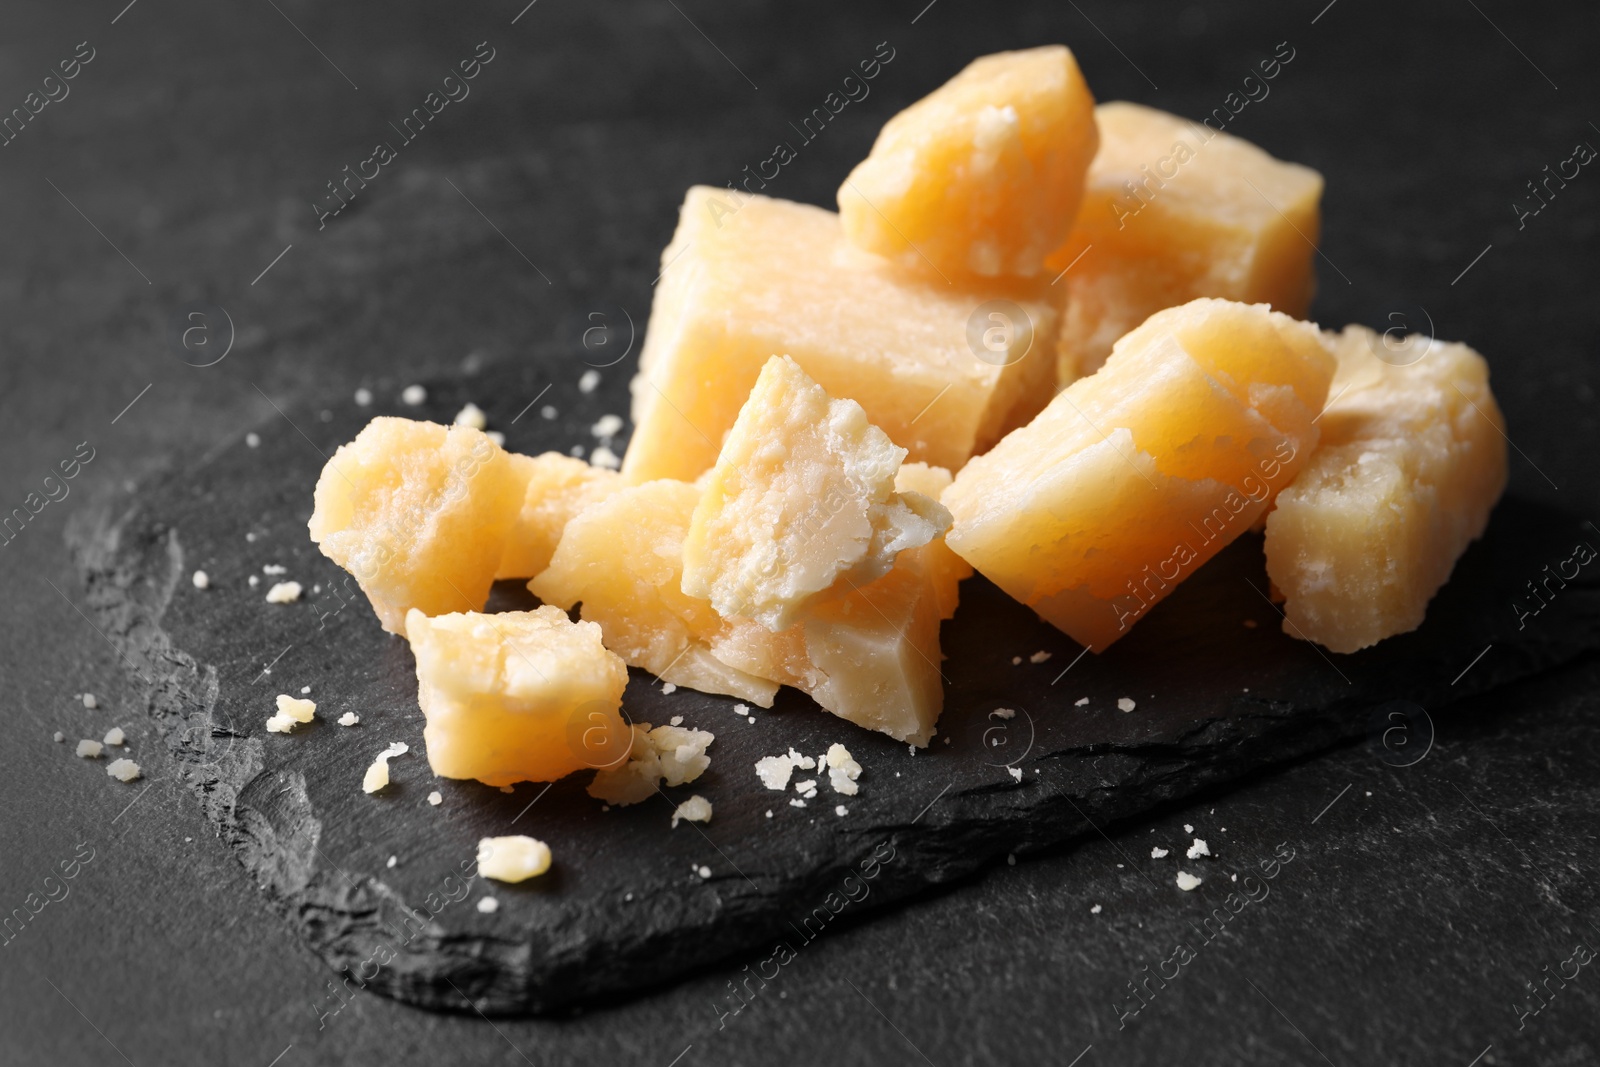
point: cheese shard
(800, 505)
(419, 514)
(622, 559)
(517, 696)
(1175, 210)
(670, 755)
(984, 175)
(1132, 478)
(514, 858)
(1412, 460)
(747, 277)
(556, 487)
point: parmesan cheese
(512, 859)
(696, 809)
(123, 770)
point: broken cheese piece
(514, 858)
(671, 755)
(1412, 460)
(984, 175)
(377, 776)
(801, 503)
(517, 696)
(556, 488)
(1135, 476)
(419, 514)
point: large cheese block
(1176, 210)
(747, 277)
(1132, 478)
(419, 514)
(1412, 460)
(983, 176)
(517, 696)
(555, 488)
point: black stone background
(1409, 919)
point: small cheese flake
(436, 798)
(1040, 656)
(805, 786)
(604, 457)
(363, 397)
(1188, 829)
(805, 763)
(1016, 661)
(1198, 849)
(1095, 910)
(1016, 772)
(1004, 713)
(250, 537)
(115, 736)
(274, 568)
(488, 905)
(741, 709)
(667, 689)
(671, 754)
(291, 711)
(589, 382)
(1080, 702)
(90, 702)
(413, 395)
(59, 736)
(696, 809)
(1187, 881)
(252, 440)
(514, 858)
(796, 802)
(304, 689)
(89, 749)
(472, 415)
(392, 861)
(254, 581)
(123, 770)
(349, 718)
(676, 720)
(704, 873)
(1125, 704)
(607, 427)
(283, 593)
(548, 412)
(841, 811)
(201, 580)
(1158, 853)
(769, 813)
(377, 776)
(774, 771)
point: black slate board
(625, 907)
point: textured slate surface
(1219, 691)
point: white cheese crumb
(696, 809)
(1198, 849)
(488, 905)
(704, 872)
(254, 581)
(1016, 772)
(115, 736)
(59, 736)
(1158, 853)
(413, 395)
(90, 702)
(436, 798)
(377, 775)
(1125, 704)
(1004, 713)
(796, 802)
(304, 689)
(123, 770)
(843, 770)
(252, 440)
(604, 457)
(290, 712)
(608, 427)
(349, 718)
(1187, 881)
(667, 689)
(1080, 702)
(676, 720)
(201, 580)
(548, 412)
(1016, 661)
(769, 813)
(392, 861)
(741, 709)
(1095, 910)
(805, 763)
(1040, 656)
(363, 396)
(1188, 829)
(284, 593)
(250, 536)
(841, 811)
(774, 771)
(512, 859)
(472, 415)
(589, 382)
(805, 786)
(89, 749)
(274, 568)
(496, 436)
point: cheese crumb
(1198, 849)
(89, 749)
(1095, 910)
(59, 736)
(1016, 772)
(843, 770)
(548, 412)
(413, 395)
(254, 581)
(123, 770)
(608, 427)
(809, 785)
(363, 396)
(805, 763)
(472, 415)
(90, 702)
(1158, 853)
(377, 775)
(673, 754)
(774, 771)
(274, 568)
(589, 382)
(304, 689)
(290, 712)
(1187, 881)
(201, 580)
(667, 689)
(252, 440)
(1080, 702)
(512, 859)
(1188, 829)
(796, 802)
(1125, 704)
(284, 593)
(604, 457)
(841, 811)
(349, 718)
(488, 905)
(436, 798)
(1004, 713)
(1040, 656)
(704, 872)
(392, 861)
(741, 709)
(115, 736)
(696, 809)
(1016, 660)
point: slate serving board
(1218, 690)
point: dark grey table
(183, 164)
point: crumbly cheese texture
(1174, 210)
(517, 696)
(746, 277)
(663, 755)
(123, 770)
(622, 559)
(512, 859)
(696, 809)
(1135, 476)
(419, 514)
(377, 775)
(556, 488)
(801, 504)
(1412, 460)
(984, 175)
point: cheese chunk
(670, 755)
(517, 696)
(419, 514)
(1176, 210)
(801, 503)
(747, 277)
(556, 487)
(1134, 477)
(1412, 460)
(622, 559)
(512, 859)
(984, 175)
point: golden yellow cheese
(943, 369)
(984, 175)
(557, 487)
(1412, 460)
(1135, 476)
(419, 514)
(800, 505)
(1175, 210)
(517, 696)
